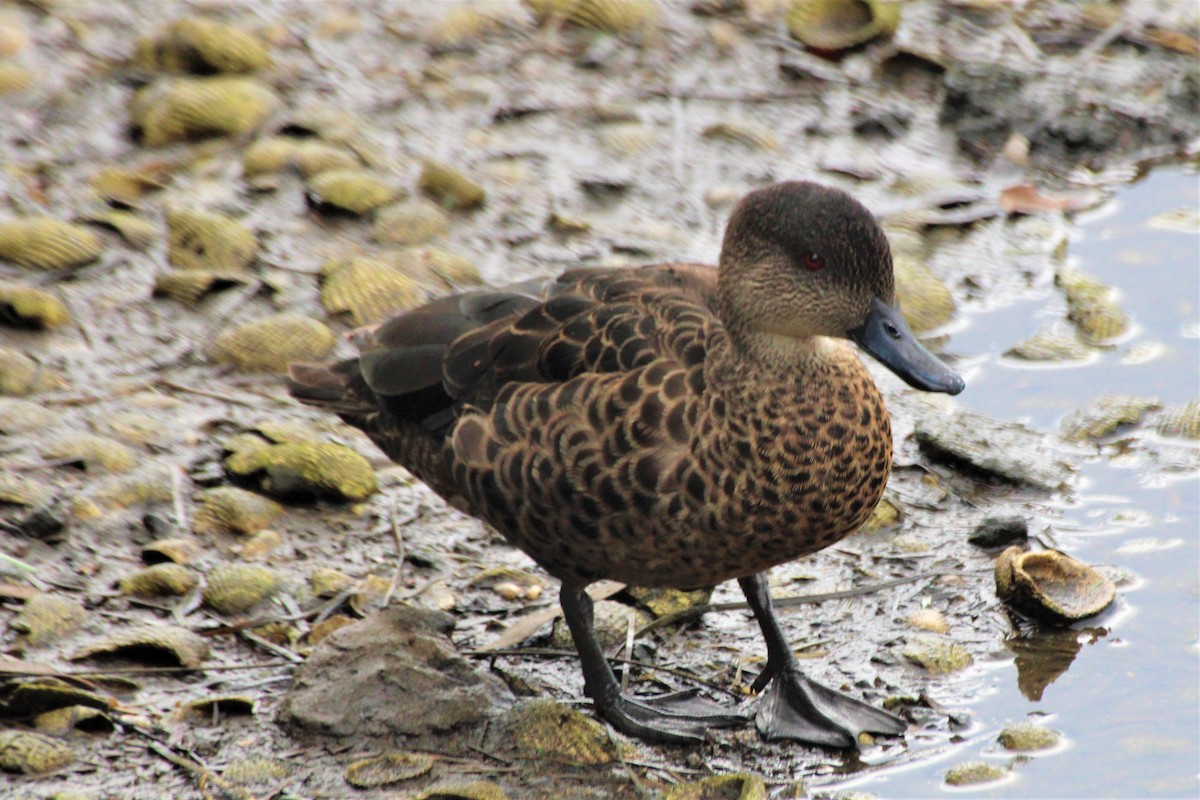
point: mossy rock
(306, 469)
(236, 588)
(269, 344)
(549, 731)
(937, 654)
(228, 509)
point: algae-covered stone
(203, 46)
(368, 289)
(1051, 586)
(327, 582)
(154, 644)
(450, 187)
(1008, 450)
(30, 307)
(1027, 737)
(46, 618)
(885, 515)
(1106, 415)
(665, 602)
(236, 588)
(228, 509)
(1050, 345)
(306, 469)
(414, 221)
(924, 298)
(205, 240)
(47, 244)
(388, 768)
(256, 771)
(183, 109)
(463, 790)
(550, 731)
(269, 344)
(33, 753)
(147, 486)
(1182, 421)
(1092, 306)
(159, 580)
(937, 654)
(356, 191)
(720, 787)
(972, 773)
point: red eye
(813, 261)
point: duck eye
(813, 261)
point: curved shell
(33, 753)
(190, 286)
(924, 298)
(201, 45)
(46, 618)
(387, 768)
(234, 588)
(184, 109)
(450, 187)
(609, 16)
(368, 289)
(271, 343)
(159, 580)
(310, 156)
(206, 240)
(228, 509)
(92, 450)
(833, 25)
(176, 550)
(1182, 421)
(150, 644)
(21, 375)
(14, 78)
(1092, 307)
(1051, 586)
(30, 307)
(47, 243)
(357, 191)
(137, 232)
(550, 731)
(412, 222)
(306, 469)
(125, 185)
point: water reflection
(1042, 655)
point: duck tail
(336, 386)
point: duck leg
(795, 707)
(677, 718)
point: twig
(177, 497)
(93, 673)
(228, 398)
(401, 551)
(282, 652)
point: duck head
(802, 261)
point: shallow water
(1129, 703)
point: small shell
(256, 771)
(228, 509)
(125, 185)
(310, 156)
(387, 768)
(185, 109)
(413, 222)
(1182, 421)
(608, 16)
(21, 375)
(154, 484)
(95, 452)
(454, 271)
(160, 580)
(368, 289)
(549, 731)
(48, 244)
(272, 154)
(356, 191)
(37, 696)
(1105, 416)
(63, 721)
(742, 132)
(210, 708)
(327, 582)
(306, 469)
(176, 550)
(924, 298)
(313, 157)
(1092, 307)
(463, 790)
(32, 753)
(19, 416)
(235, 588)
(46, 618)
(203, 46)
(1051, 586)
(740, 787)
(190, 286)
(834, 25)
(151, 644)
(271, 343)
(204, 240)
(450, 187)
(262, 543)
(136, 231)
(30, 307)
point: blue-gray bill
(887, 337)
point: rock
(970, 773)
(1005, 449)
(999, 531)
(393, 673)
(550, 731)
(1027, 737)
(937, 654)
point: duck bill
(887, 337)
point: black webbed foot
(795, 707)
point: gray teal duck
(670, 425)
